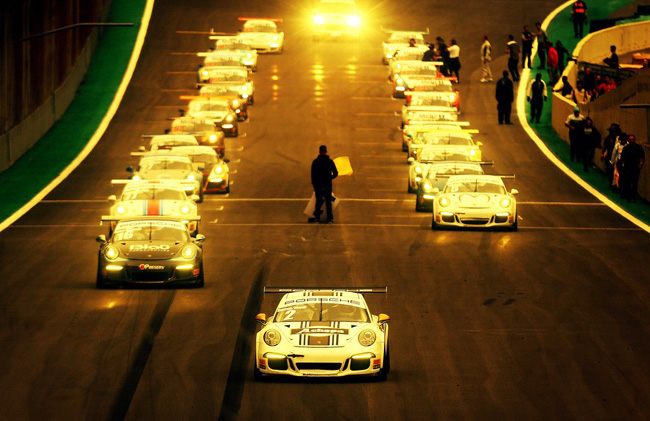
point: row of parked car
(446, 165)
(153, 235)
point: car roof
(166, 157)
(479, 177)
(146, 185)
(194, 150)
(325, 294)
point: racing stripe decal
(153, 208)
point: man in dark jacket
(430, 54)
(323, 171)
(632, 158)
(505, 96)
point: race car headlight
(204, 73)
(212, 138)
(400, 81)
(218, 169)
(275, 37)
(444, 202)
(185, 209)
(229, 118)
(505, 202)
(418, 170)
(472, 152)
(235, 103)
(354, 20)
(319, 20)
(244, 88)
(249, 55)
(111, 253)
(188, 252)
(272, 337)
(427, 186)
(121, 210)
(452, 97)
(367, 337)
(191, 177)
(136, 178)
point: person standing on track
(512, 49)
(486, 58)
(430, 54)
(579, 16)
(505, 96)
(323, 171)
(576, 124)
(526, 47)
(614, 131)
(632, 158)
(542, 37)
(536, 96)
(454, 60)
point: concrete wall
(606, 108)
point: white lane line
(523, 120)
(562, 203)
(305, 224)
(133, 61)
(291, 199)
(581, 228)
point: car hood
(210, 115)
(149, 250)
(164, 174)
(321, 333)
(476, 200)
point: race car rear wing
(360, 290)
(425, 32)
(244, 19)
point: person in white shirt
(454, 60)
(486, 58)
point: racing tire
(418, 207)
(254, 69)
(226, 190)
(405, 148)
(383, 372)
(251, 100)
(411, 189)
(434, 224)
(257, 375)
(515, 226)
(201, 195)
(201, 280)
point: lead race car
(475, 201)
(262, 34)
(322, 333)
(154, 198)
(399, 41)
(149, 251)
(434, 177)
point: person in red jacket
(552, 63)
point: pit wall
(594, 48)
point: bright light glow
(505, 202)
(229, 118)
(111, 252)
(447, 213)
(184, 267)
(136, 178)
(418, 178)
(452, 97)
(354, 20)
(204, 73)
(418, 169)
(121, 209)
(235, 103)
(363, 356)
(400, 81)
(272, 337)
(218, 169)
(427, 186)
(249, 55)
(444, 202)
(502, 214)
(275, 37)
(191, 177)
(213, 137)
(273, 356)
(472, 152)
(113, 268)
(185, 209)
(367, 337)
(188, 252)
(429, 196)
(227, 126)
(319, 20)
(216, 180)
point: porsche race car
(205, 131)
(150, 251)
(437, 138)
(418, 129)
(427, 113)
(406, 69)
(235, 76)
(237, 46)
(475, 201)
(263, 34)
(216, 174)
(434, 178)
(399, 41)
(420, 84)
(322, 333)
(429, 155)
(229, 93)
(167, 166)
(439, 99)
(216, 110)
(221, 58)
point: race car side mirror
(101, 239)
(199, 238)
(195, 198)
(479, 143)
(142, 149)
(261, 318)
(384, 318)
(411, 160)
(227, 161)
(129, 169)
(514, 192)
(112, 198)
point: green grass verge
(561, 28)
(67, 138)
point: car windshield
(210, 106)
(442, 139)
(434, 101)
(338, 8)
(153, 193)
(228, 77)
(165, 164)
(454, 170)
(322, 311)
(220, 90)
(409, 54)
(150, 231)
(429, 155)
(203, 158)
(260, 27)
(168, 144)
(475, 186)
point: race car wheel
(251, 100)
(254, 69)
(201, 280)
(201, 195)
(257, 375)
(434, 225)
(405, 147)
(411, 189)
(383, 372)
(515, 226)
(227, 189)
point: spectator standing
(562, 54)
(542, 38)
(580, 95)
(576, 124)
(443, 52)
(430, 54)
(512, 48)
(323, 171)
(591, 142)
(566, 90)
(551, 63)
(612, 60)
(633, 158)
(454, 60)
(589, 80)
(504, 96)
(619, 146)
(486, 58)
(608, 147)
(536, 96)
(579, 16)
(526, 47)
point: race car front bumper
(149, 272)
(474, 218)
(216, 184)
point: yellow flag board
(343, 165)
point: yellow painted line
(117, 99)
(521, 114)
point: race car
(216, 174)
(420, 84)
(399, 40)
(263, 34)
(221, 58)
(168, 141)
(427, 113)
(149, 251)
(216, 110)
(236, 45)
(228, 92)
(155, 198)
(440, 99)
(235, 76)
(429, 155)
(205, 132)
(336, 18)
(436, 138)
(409, 68)
(416, 130)
(435, 175)
(322, 333)
(166, 166)
(475, 201)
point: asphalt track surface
(548, 322)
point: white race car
(225, 58)
(322, 333)
(155, 198)
(416, 130)
(205, 132)
(428, 113)
(399, 40)
(235, 76)
(440, 99)
(437, 138)
(216, 174)
(409, 68)
(218, 111)
(475, 201)
(434, 179)
(237, 45)
(166, 166)
(402, 87)
(263, 34)
(429, 155)
(168, 141)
